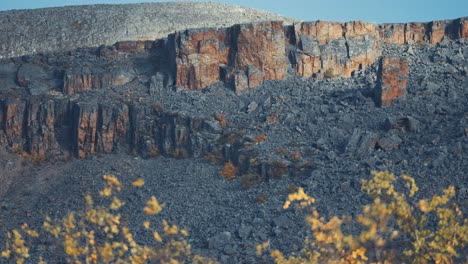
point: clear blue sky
(338, 10)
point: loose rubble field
(328, 134)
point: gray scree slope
(54, 29)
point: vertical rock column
(199, 53)
(340, 48)
(259, 54)
(244, 55)
(392, 80)
(12, 122)
(84, 127)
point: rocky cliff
(243, 56)
(102, 99)
(53, 29)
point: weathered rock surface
(342, 47)
(243, 55)
(419, 33)
(392, 80)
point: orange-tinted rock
(40, 134)
(307, 65)
(199, 54)
(12, 121)
(260, 51)
(134, 46)
(205, 56)
(343, 47)
(416, 33)
(463, 32)
(83, 79)
(112, 126)
(392, 33)
(363, 43)
(424, 33)
(392, 80)
(438, 31)
(84, 128)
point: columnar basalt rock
(392, 33)
(83, 79)
(343, 47)
(392, 80)
(259, 53)
(12, 122)
(79, 80)
(199, 53)
(463, 31)
(244, 55)
(424, 33)
(113, 125)
(85, 126)
(40, 132)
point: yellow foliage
(301, 196)
(390, 217)
(97, 234)
(153, 206)
(138, 183)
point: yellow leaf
(106, 192)
(152, 206)
(116, 204)
(157, 237)
(139, 183)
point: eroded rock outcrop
(342, 47)
(424, 33)
(392, 80)
(243, 55)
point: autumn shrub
(221, 119)
(281, 151)
(229, 171)
(394, 228)
(260, 138)
(99, 234)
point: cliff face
(430, 33)
(243, 56)
(48, 105)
